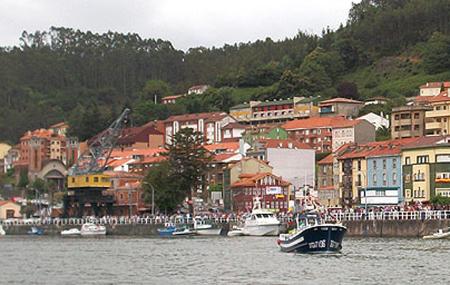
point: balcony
(433, 126)
(439, 113)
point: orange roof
(171, 97)
(150, 160)
(340, 100)
(431, 85)
(229, 146)
(118, 162)
(225, 156)
(315, 122)
(252, 180)
(40, 133)
(447, 84)
(4, 202)
(327, 159)
(284, 143)
(348, 123)
(191, 117)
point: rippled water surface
(219, 260)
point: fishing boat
(2, 231)
(183, 232)
(204, 229)
(36, 231)
(261, 222)
(441, 234)
(168, 229)
(91, 229)
(71, 232)
(235, 231)
(312, 236)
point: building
(272, 190)
(9, 210)
(408, 121)
(291, 160)
(264, 131)
(170, 99)
(275, 111)
(318, 132)
(344, 107)
(437, 117)
(197, 89)
(328, 190)
(146, 136)
(11, 157)
(352, 131)
(39, 147)
(378, 121)
(233, 131)
(209, 124)
(376, 101)
(135, 160)
(4, 149)
(426, 169)
(432, 88)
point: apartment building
(344, 107)
(408, 121)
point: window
(407, 160)
(87, 179)
(96, 179)
(422, 159)
(374, 164)
(384, 179)
(397, 117)
(359, 164)
(394, 163)
(384, 163)
(416, 115)
(374, 179)
(394, 178)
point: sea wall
(394, 228)
(373, 228)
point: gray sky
(186, 23)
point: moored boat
(36, 231)
(204, 229)
(168, 229)
(71, 232)
(183, 232)
(2, 231)
(261, 222)
(235, 231)
(441, 234)
(313, 236)
(90, 229)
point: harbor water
(218, 260)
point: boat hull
(261, 230)
(208, 232)
(315, 239)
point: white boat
(204, 229)
(2, 231)
(261, 222)
(235, 231)
(183, 232)
(441, 234)
(90, 229)
(71, 232)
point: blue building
(384, 177)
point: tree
(383, 134)
(23, 179)
(152, 88)
(436, 57)
(348, 90)
(188, 161)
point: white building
(353, 131)
(376, 120)
(197, 89)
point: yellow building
(4, 149)
(426, 169)
(9, 210)
(242, 112)
(437, 120)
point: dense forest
(386, 48)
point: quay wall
(365, 228)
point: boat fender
(278, 241)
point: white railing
(394, 215)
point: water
(218, 260)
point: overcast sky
(186, 23)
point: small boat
(168, 229)
(235, 231)
(312, 236)
(36, 231)
(71, 232)
(183, 232)
(204, 229)
(260, 222)
(441, 234)
(2, 231)
(90, 229)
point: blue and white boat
(313, 236)
(36, 231)
(168, 230)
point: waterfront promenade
(374, 224)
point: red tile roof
(252, 180)
(315, 122)
(221, 157)
(214, 116)
(442, 97)
(340, 100)
(171, 97)
(235, 126)
(431, 85)
(348, 123)
(229, 146)
(327, 159)
(146, 152)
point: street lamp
(153, 196)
